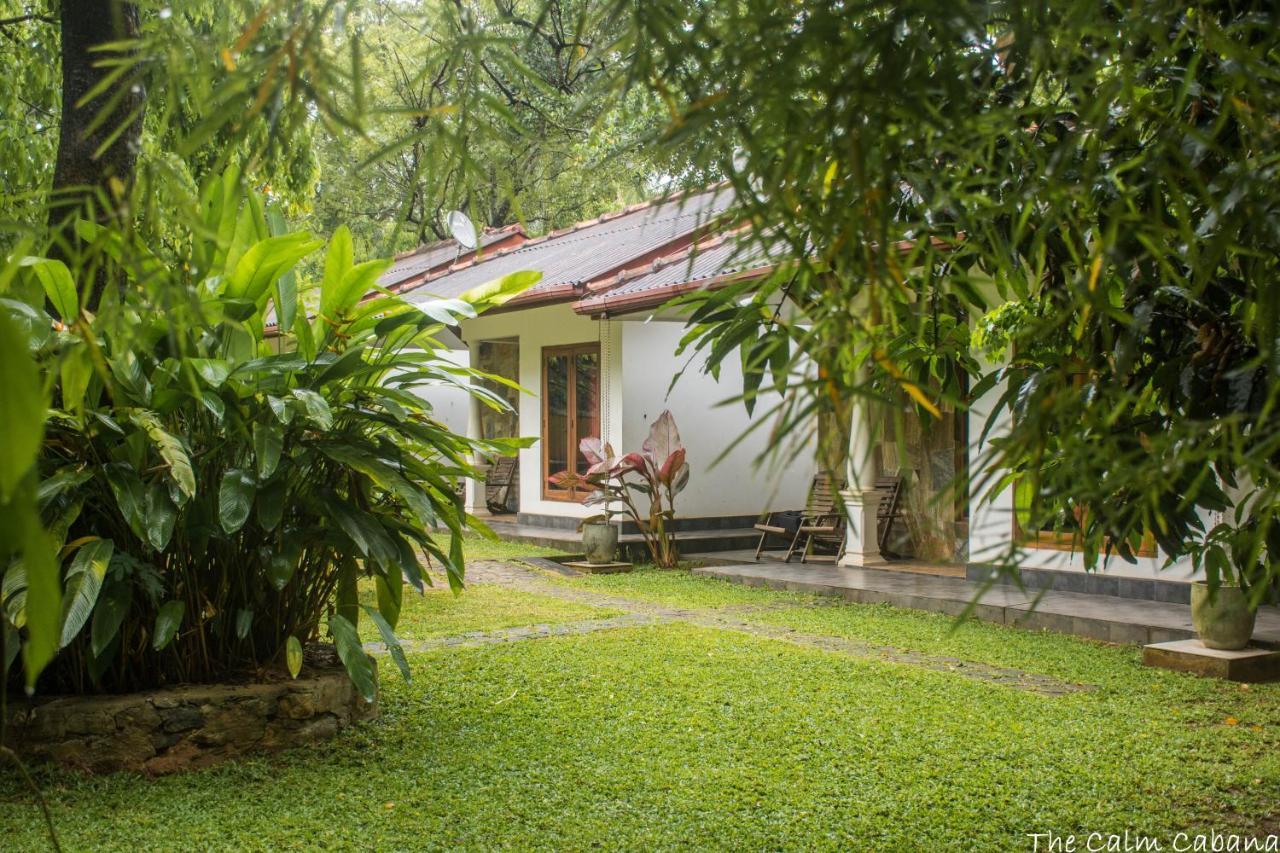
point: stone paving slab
(1099, 617)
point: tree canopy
(1101, 177)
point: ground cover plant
(442, 612)
(736, 740)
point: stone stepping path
(729, 618)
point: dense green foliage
(1110, 166)
(212, 490)
(499, 108)
(736, 741)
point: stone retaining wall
(165, 731)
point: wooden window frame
(549, 492)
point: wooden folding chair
(497, 484)
(890, 509)
(831, 529)
(787, 525)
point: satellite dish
(462, 229)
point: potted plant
(1224, 605)
(599, 538)
(659, 472)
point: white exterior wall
(735, 486)
(448, 404)
(638, 362)
(991, 530)
(535, 328)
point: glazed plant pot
(1225, 622)
(599, 542)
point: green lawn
(441, 613)
(676, 735)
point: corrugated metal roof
(586, 251)
(724, 255)
(438, 254)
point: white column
(861, 500)
(473, 498)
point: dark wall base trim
(723, 522)
(1148, 589)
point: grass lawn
(440, 613)
(676, 735)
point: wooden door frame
(571, 402)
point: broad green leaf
(351, 652)
(235, 499)
(113, 604)
(270, 503)
(33, 327)
(358, 281)
(158, 516)
(348, 594)
(59, 287)
(264, 262)
(500, 290)
(390, 596)
(170, 449)
(22, 408)
(75, 369)
(43, 605)
(12, 646)
(391, 641)
(168, 621)
(315, 407)
(214, 371)
(280, 408)
(244, 621)
(293, 656)
(286, 295)
(84, 581)
(337, 263)
(283, 564)
(268, 439)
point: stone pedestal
(599, 568)
(1251, 664)
(862, 533)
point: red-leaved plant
(659, 472)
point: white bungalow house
(595, 352)
(597, 359)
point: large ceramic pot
(599, 542)
(1226, 622)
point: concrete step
(1099, 617)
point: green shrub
(215, 487)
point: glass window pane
(557, 413)
(586, 401)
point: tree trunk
(81, 173)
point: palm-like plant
(221, 468)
